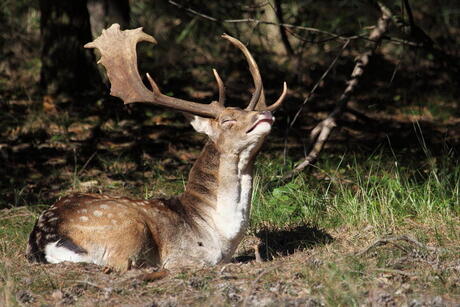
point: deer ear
(202, 125)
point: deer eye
(226, 122)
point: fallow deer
(203, 225)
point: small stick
(311, 94)
(257, 21)
(257, 253)
(409, 239)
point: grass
(353, 190)
(353, 200)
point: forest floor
(352, 267)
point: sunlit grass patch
(357, 191)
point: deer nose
(266, 113)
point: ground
(342, 267)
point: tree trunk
(67, 68)
(104, 13)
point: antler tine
(153, 85)
(118, 55)
(221, 86)
(258, 97)
(280, 100)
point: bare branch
(257, 21)
(422, 39)
(321, 132)
(312, 93)
(283, 30)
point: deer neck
(219, 189)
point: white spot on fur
(97, 213)
(110, 215)
(56, 254)
(53, 219)
(104, 207)
(84, 218)
(114, 222)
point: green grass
(352, 190)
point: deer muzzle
(264, 117)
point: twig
(393, 239)
(283, 30)
(284, 27)
(88, 283)
(311, 94)
(320, 134)
(415, 31)
(257, 21)
(86, 163)
(257, 253)
(422, 40)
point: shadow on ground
(272, 243)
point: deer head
(223, 125)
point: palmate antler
(118, 55)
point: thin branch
(283, 31)
(257, 21)
(392, 240)
(320, 134)
(315, 87)
(312, 92)
(285, 27)
(424, 41)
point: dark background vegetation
(59, 127)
